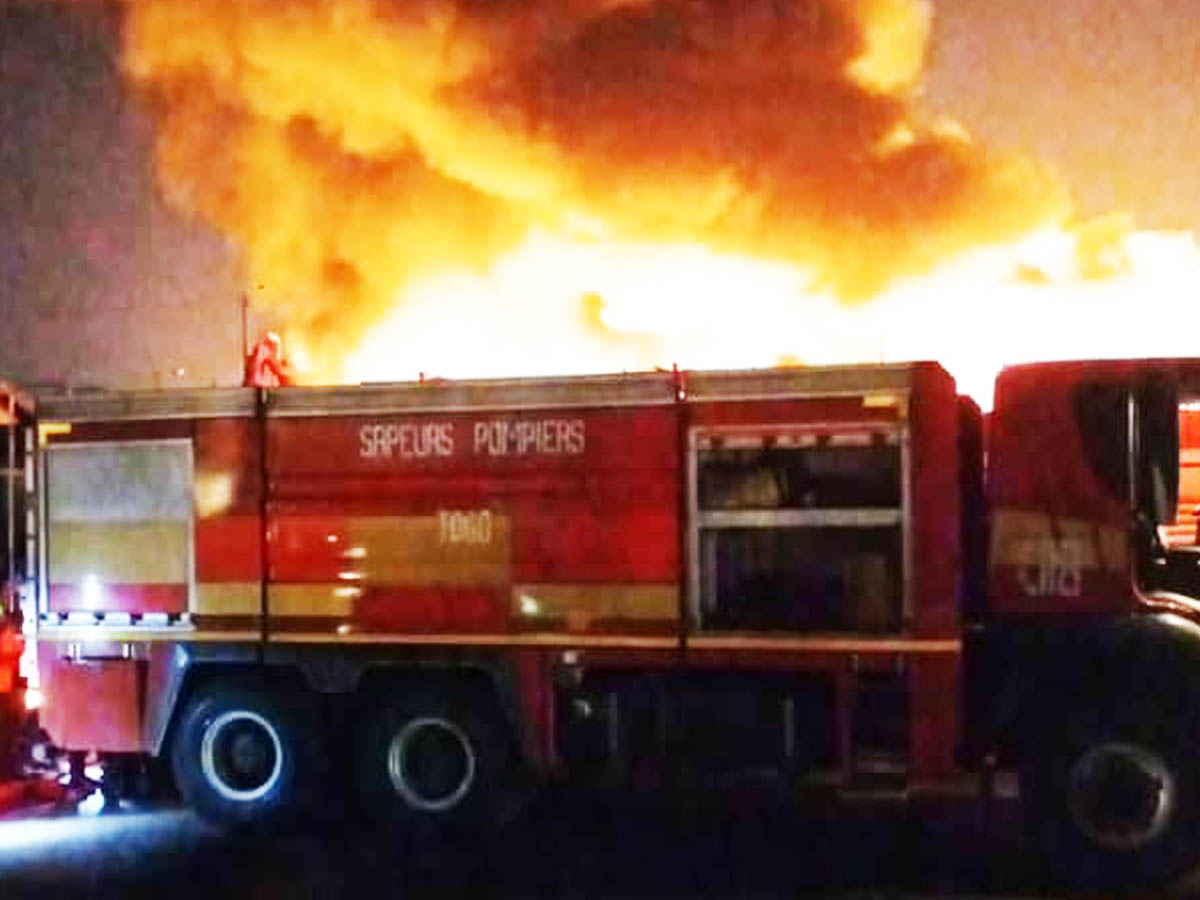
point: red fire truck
(16, 422)
(449, 589)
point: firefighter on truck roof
(266, 365)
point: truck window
(1103, 415)
(799, 532)
(119, 527)
(1101, 411)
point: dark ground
(564, 845)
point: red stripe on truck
(136, 599)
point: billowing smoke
(353, 146)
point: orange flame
(462, 187)
(602, 306)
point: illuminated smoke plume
(355, 147)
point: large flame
(559, 306)
(490, 187)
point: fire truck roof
(626, 389)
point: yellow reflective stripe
(1031, 539)
(75, 633)
(335, 600)
(595, 601)
(826, 644)
(450, 549)
(240, 598)
(540, 639)
(227, 598)
(139, 633)
(119, 552)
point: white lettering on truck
(406, 440)
(1055, 569)
(519, 437)
(465, 526)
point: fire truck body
(442, 587)
(16, 418)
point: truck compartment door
(798, 530)
(119, 527)
(93, 704)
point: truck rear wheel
(243, 756)
(1116, 804)
(432, 762)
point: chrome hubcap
(241, 755)
(431, 763)
(1120, 796)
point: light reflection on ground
(49, 831)
(29, 834)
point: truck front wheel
(432, 762)
(1116, 804)
(242, 756)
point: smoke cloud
(354, 146)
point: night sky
(101, 284)
(1108, 91)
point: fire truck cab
(685, 577)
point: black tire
(434, 763)
(1115, 803)
(245, 756)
